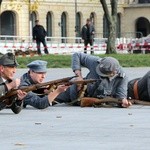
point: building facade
(65, 18)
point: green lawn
(64, 61)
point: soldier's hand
(14, 84)
(126, 103)
(62, 88)
(79, 86)
(78, 73)
(21, 95)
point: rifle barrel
(83, 81)
(13, 92)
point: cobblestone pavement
(64, 127)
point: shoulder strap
(135, 89)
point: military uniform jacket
(16, 105)
(143, 87)
(33, 99)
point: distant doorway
(142, 27)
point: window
(144, 1)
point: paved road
(73, 128)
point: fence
(66, 45)
(56, 45)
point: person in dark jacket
(39, 35)
(88, 35)
(8, 66)
(112, 80)
(36, 74)
(139, 88)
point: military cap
(8, 59)
(38, 66)
(107, 65)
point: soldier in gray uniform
(36, 74)
(112, 79)
(8, 66)
(139, 88)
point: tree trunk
(111, 46)
(111, 22)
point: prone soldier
(112, 79)
(8, 64)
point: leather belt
(135, 90)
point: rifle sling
(135, 90)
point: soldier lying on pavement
(113, 80)
(36, 74)
(139, 88)
(8, 66)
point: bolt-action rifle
(9, 97)
(96, 102)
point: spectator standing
(39, 35)
(88, 35)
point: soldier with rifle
(112, 80)
(8, 66)
(36, 74)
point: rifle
(9, 97)
(83, 82)
(90, 101)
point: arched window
(49, 24)
(92, 17)
(33, 18)
(78, 25)
(63, 26)
(105, 27)
(8, 23)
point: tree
(111, 22)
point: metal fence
(68, 45)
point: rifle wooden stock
(10, 95)
(89, 101)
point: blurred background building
(65, 18)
